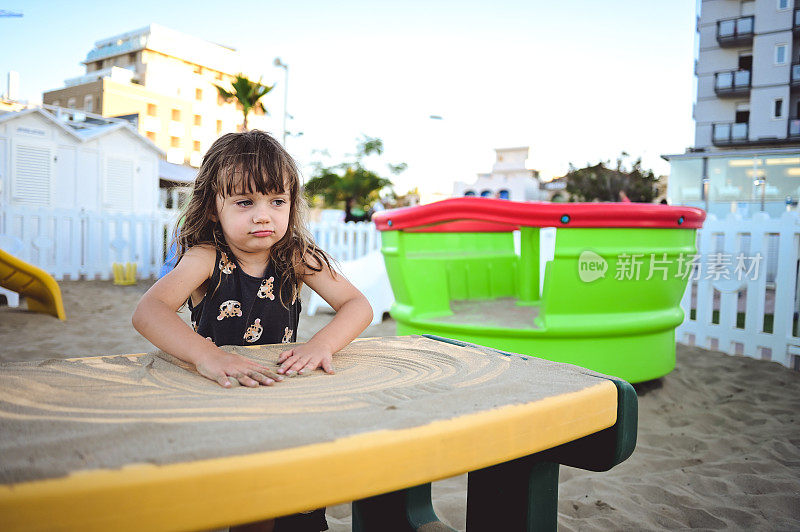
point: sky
(578, 82)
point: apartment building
(746, 153)
(164, 80)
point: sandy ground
(719, 438)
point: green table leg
(408, 510)
(518, 495)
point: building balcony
(175, 156)
(729, 133)
(196, 159)
(115, 73)
(732, 83)
(794, 128)
(176, 129)
(794, 77)
(735, 31)
(152, 123)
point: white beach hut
(98, 165)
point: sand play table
(134, 442)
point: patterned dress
(239, 309)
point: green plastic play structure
(611, 295)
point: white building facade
(746, 156)
(509, 179)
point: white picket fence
(77, 244)
(346, 241)
(772, 291)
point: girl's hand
(219, 366)
(305, 358)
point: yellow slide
(37, 286)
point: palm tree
(247, 93)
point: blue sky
(578, 81)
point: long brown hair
(255, 161)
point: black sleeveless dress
(239, 309)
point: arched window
(486, 194)
(469, 193)
(503, 194)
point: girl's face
(253, 222)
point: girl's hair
(249, 162)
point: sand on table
(719, 437)
(60, 416)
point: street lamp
(285, 67)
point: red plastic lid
(472, 214)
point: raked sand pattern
(61, 416)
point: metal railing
(735, 31)
(794, 79)
(794, 128)
(727, 133)
(732, 82)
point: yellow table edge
(219, 492)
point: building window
(175, 142)
(132, 58)
(783, 5)
(198, 94)
(219, 127)
(198, 120)
(197, 145)
(176, 115)
(88, 104)
(71, 103)
(780, 54)
(151, 109)
(151, 135)
(777, 108)
(57, 103)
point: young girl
(243, 255)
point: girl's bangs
(248, 173)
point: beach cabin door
(32, 173)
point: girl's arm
(157, 320)
(353, 315)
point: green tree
(351, 180)
(247, 94)
(601, 183)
